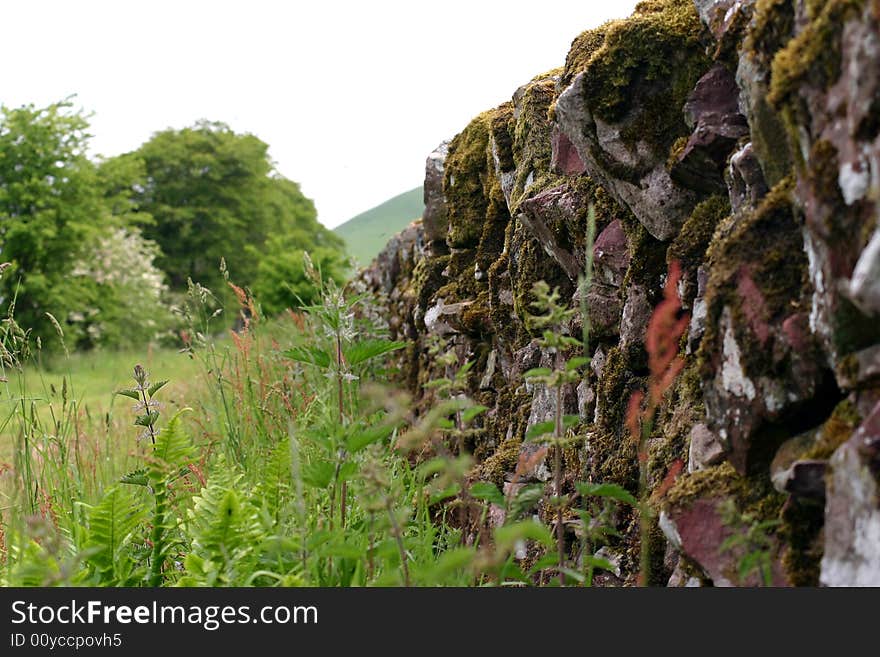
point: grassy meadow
(271, 457)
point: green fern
(225, 529)
(172, 450)
(111, 525)
(274, 488)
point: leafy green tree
(209, 193)
(50, 206)
(281, 280)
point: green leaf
(173, 448)
(136, 478)
(472, 412)
(612, 491)
(147, 419)
(538, 372)
(550, 560)
(156, 387)
(347, 471)
(432, 467)
(367, 436)
(526, 498)
(444, 494)
(575, 575)
(364, 350)
(318, 473)
(309, 355)
(484, 490)
(576, 362)
(437, 383)
(450, 566)
(111, 523)
(507, 536)
(597, 562)
(131, 393)
(540, 429)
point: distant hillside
(369, 231)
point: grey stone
(434, 217)
(704, 448)
(852, 511)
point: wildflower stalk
(557, 474)
(398, 537)
(565, 372)
(140, 376)
(665, 329)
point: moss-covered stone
(801, 526)
(652, 61)
(647, 258)
(582, 49)
(689, 247)
(427, 278)
(681, 409)
(836, 431)
(531, 143)
(813, 56)
(767, 244)
(502, 461)
(464, 176)
(771, 28)
(613, 452)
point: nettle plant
(593, 520)
(342, 356)
(169, 453)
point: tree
(281, 281)
(50, 207)
(209, 193)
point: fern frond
(274, 487)
(173, 449)
(225, 529)
(111, 524)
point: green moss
(661, 42)
(801, 531)
(464, 174)
(681, 409)
(529, 265)
(531, 142)
(676, 150)
(427, 278)
(582, 49)
(837, 430)
(501, 127)
(772, 26)
(689, 247)
(647, 264)
(475, 319)
(768, 244)
(813, 56)
(771, 29)
(504, 460)
(612, 449)
(719, 481)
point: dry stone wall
(740, 138)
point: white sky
(350, 96)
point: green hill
(369, 231)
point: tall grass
(289, 470)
